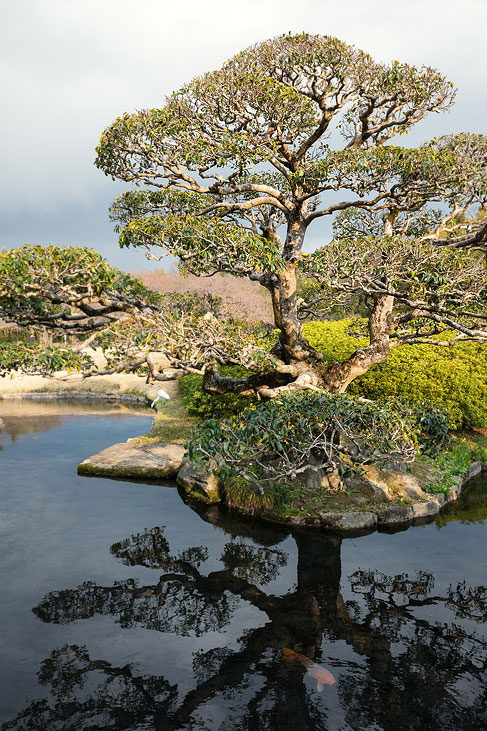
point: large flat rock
(153, 461)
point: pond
(124, 608)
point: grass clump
(172, 424)
(282, 499)
(452, 465)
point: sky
(68, 68)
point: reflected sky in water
(123, 608)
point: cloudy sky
(68, 68)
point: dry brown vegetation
(242, 297)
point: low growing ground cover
(454, 378)
(285, 501)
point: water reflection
(396, 667)
(471, 506)
(93, 694)
(46, 415)
(190, 634)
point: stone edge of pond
(167, 461)
(126, 460)
(394, 518)
(81, 395)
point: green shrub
(430, 422)
(451, 465)
(455, 379)
(212, 406)
(278, 439)
(39, 358)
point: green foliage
(336, 340)
(278, 439)
(450, 466)
(454, 379)
(430, 422)
(190, 237)
(328, 304)
(84, 270)
(214, 406)
(295, 86)
(47, 285)
(37, 358)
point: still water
(123, 608)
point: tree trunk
(293, 347)
(216, 384)
(338, 376)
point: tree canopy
(231, 173)
(241, 161)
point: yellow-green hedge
(453, 378)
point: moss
(128, 473)
(194, 493)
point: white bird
(160, 395)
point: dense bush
(430, 423)
(207, 405)
(278, 439)
(454, 379)
(41, 359)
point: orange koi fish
(319, 673)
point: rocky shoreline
(80, 395)
(167, 462)
(134, 461)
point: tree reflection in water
(401, 671)
(120, 700)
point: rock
(440, 499)
(312, 478)
(376, 482)
(365, 487)
(425, 510)
(474, 470)
(395, 515)
(332, 481)
(171, 374)
(393, 483)
(153, 461)
(198, 485)
(451, 496)
(411, 488)
(300, 520)
(349, 521)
